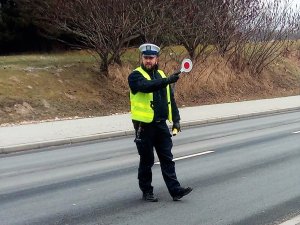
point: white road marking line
(296, 132)
(189, 156)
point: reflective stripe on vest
(141, 109)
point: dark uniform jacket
(138, 83)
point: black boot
(149, 197)
(181, 193)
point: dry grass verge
(39, 87)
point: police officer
(152, 103)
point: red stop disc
(186, 65)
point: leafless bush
(190, 25)
(249, 33)
(104, 26)
(228, 17)
(154, 23)
(263, 35)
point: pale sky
(294, 3)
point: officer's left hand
(173, 78)
(176, 128)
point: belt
(159, 121)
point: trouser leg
(163, 146)
(145, 150)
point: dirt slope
(49, 87)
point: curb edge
(94, 137)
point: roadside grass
(46, 60)
(35, 87)
(35, 76)
(69, 84)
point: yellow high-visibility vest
(140, 103)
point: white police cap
(149, 49)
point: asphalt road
(248, 176)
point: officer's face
(149, 61)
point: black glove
(176, 128)
(173, 78)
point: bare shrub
(249, 33)
(190, 25)
(154, 22)
(104, 26)
(228, 19)
(263, 35)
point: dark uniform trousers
(157, 135)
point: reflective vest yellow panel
(140, 103)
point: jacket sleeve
(175, 111)
(138, 83)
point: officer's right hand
(173, 78)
